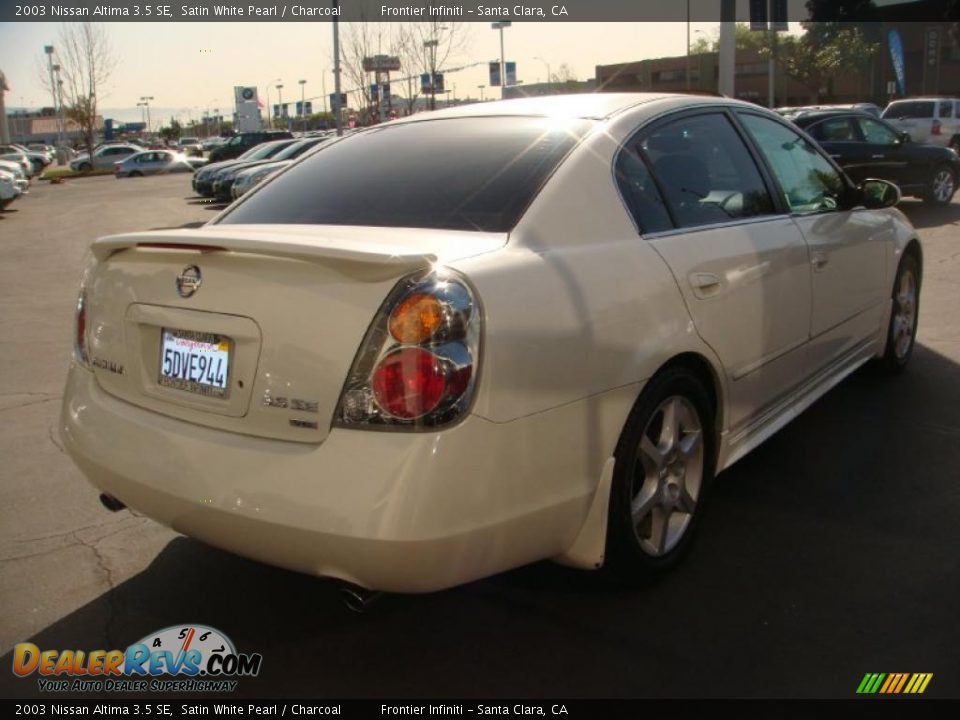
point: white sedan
(477, 338)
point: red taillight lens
(80, 340)
(937, 127)
(409, 383)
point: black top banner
(470, 11)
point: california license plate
(196, 362)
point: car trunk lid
(249, 329)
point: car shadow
(924, 215)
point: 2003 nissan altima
(481, 337)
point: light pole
(481, 87)
(216, 114)
(548, 67)
(48, 49)
(143, 117)
(146, 101)
(503, 77)
(336, 68)
(431, 46)
(303, 107)
(279, 87)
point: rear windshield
(456, 174)
(913, 109)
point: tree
(413, 43)
(563, 74)
(172, 131)
(744, 38)
(86, 61)
(823, 51)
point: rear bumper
(402, 512)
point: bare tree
(421, 48)
(86, 61)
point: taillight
(937, 126)
(80, 338)
(417, 364)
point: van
(927, 120)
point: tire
(941, 186)
(902, 330)
(84, 167)
(135, 173)
(661, 476)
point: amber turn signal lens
(416, 318)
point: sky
(192, 68)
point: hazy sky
(190, 68)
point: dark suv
(239, 144)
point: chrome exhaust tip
(111, 503)
(358, 599)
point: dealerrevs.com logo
(180, 658)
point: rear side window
(833, 130)
(910, 109)
(456, 174)
(946, 109)
(705, 171)
(640, 193)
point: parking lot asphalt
(830, 552)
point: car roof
(808, 117)
(587, 106)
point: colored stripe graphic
(894, 683)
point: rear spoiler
(277, 242)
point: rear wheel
(136, 173)
(904, 314)
(84, 167)
(942, 186)
(664, 465)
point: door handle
(819, 260)
(878, 157)
(704, 281)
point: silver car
(155, 162)
(104, 157)
(927, 120)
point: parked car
(867, 147)
(927, 120)
(39, 160)
(9, 191)
(796, 111)
(104, 157)
(223, 181)
(204, 179)
(249, 178)
(409, 373)
(239, 144)
(191, 146)
(20, 178)
(15, 156)
(155, 162)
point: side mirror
(879, 194)
(904, 136)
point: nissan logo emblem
(188, 282)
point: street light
(146, 101)
(481, 87)
(143, 117)
(48, 49)
(503, 77)
(279, 87)
(548, 67)
(432, 46)
(303, 107)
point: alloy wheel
(905, 314)
(667, 476)
(943, 185)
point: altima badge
(188, 282)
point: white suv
(927, 120)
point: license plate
(196, 362)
